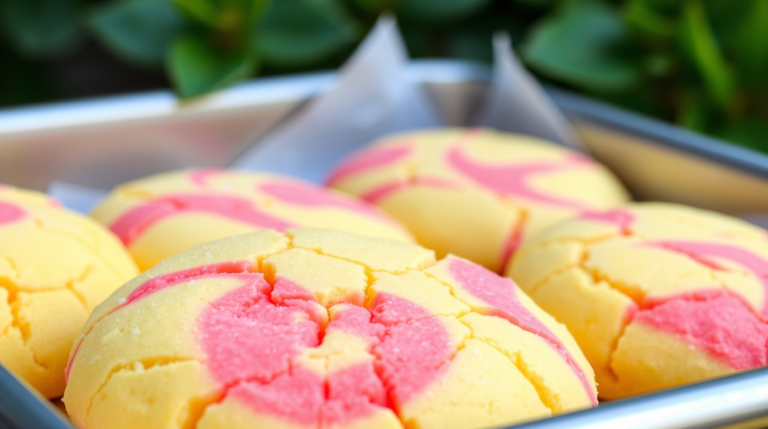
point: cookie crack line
(70, 285)
(640, 301)
(372, 349)
(515, 360)
(12, 265)
(555, 240)
(378, 368)
(26, 334)
(93, 248)
(614, 347)
(535, 287)
(511, 315)
(258, 261)
(596, 275)
(596, 279)
(525, 374)
(720, 292)
(586, 241)
(197, 407)
(142, 366)
(368, 271)
(391, 383)
(224, 392)
(13, 291)
(644, 305)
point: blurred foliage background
(702, 64)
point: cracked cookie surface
(657, 295)
(476, 193)
(320, 328)
(160, 216)
(55, 267)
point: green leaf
(669, 8)
(141, 31)
(372, 7)
(584, 45)
(41, 28)
(643, 17)
(295, 33)
(438, 10)
(224, 14)
(660, 65)
(204, 11)
(473, 39)
(700, 45)
(749, 132)
(750, 46)
(695, 111)
(337, 12)
(250, 9)
(540, 4)
(726, 17)
(196, 67)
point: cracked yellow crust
(465, 218)
(186, 229)
(55, 267)
(592, 277)
(141, 366)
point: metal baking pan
(22, 407)
(102, 142)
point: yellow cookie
(476, 193)
(656, 295)
(163, 215)
(55, 267)
(321, 328)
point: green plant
(702, 64)
(208, 44)
(31, 31)
(42, 28)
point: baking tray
(103, 142)
(22, 407)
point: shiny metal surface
(23, 408)
(103, 142)
(711, 404)
(659, 161)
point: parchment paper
(517, 102)
(372, 98)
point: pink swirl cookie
(320, 328)
(55, 266)
(476, 193)
(657, 295)
(162, 215)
